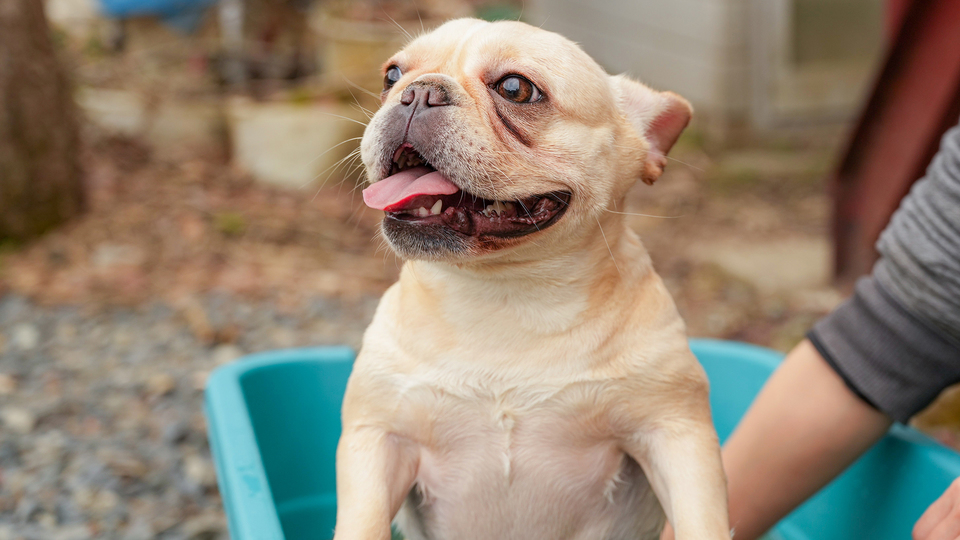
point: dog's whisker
(327, 179)
(344, 177)
(356, 102)
(612, 258)
(360, 88)
(352, 156)
(363, 111)
(357, 211)
(419, 18)
(694, 167)
(660, 154)
(325, 153)
(529, 214)
(354, 120)
(324, 182)
(402, 29)
(643, 215)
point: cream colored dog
(528, 377)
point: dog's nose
(426, 94)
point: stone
(46, 520)
(175, 432)
(83, 497)
(200, 471)
(66, 332)
(122, 463)
(139, 529)
(198, 321)
(105, 501)
(48, 448)
(205, 526)
(18, 419)
(199, 379)
(8, 384)
(72, 532)
(283, 337)
(25, 336)
(161, 384)
(9, 455)
(108, 255)
(226, 353)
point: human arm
(892, 347)
(802, 430)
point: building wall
(746, 65)
(697, 48)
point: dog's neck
(548, 294)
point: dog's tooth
(437, 207)
(490, 209)
(423, 212)
(508, 206)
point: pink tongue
(393, 190)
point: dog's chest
(512, 461)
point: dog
(528, 377)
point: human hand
(941, 521)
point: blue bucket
(274, 420)
(184, 15)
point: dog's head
(493, 136)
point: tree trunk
(40, 177)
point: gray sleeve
(896, 342)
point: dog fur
(536, 386)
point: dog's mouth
(416, 193)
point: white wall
(733, 59)
(697, 48)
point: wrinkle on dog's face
(575, 140)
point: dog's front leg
(375, 471)
(682, 462)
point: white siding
(697, 48)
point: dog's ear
(658, 117)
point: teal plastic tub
(274, 420)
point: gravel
(102, 433)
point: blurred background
(178, 188)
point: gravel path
(101, 429)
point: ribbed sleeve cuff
(886, 355)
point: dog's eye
(391, 77)
(517, 89)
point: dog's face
(494, 136)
